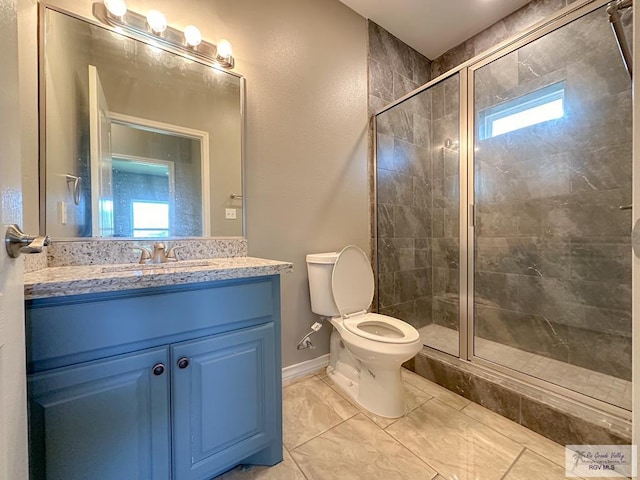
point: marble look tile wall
(445, 217)
(403, 254)
(417, 250)
(509, 26)
(553, 262)
(553, 273)
(395, 68)
(418, 207)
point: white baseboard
(301, 369)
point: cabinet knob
(183, 363)
(158, 369)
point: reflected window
(536, 107)
(150, 219)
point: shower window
(536, 107)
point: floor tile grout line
(503, 477)
(404, 446)
(513, 440)
(409, 412)
(485, 425)
(411, 451)
(333, 426)
(295, 462)
(326, 430)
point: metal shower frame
(466, 72)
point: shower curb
(552, 415)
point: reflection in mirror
(146, 162)
(137, 141)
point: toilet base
(382, 395)
(343, 382)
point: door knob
(17, 242)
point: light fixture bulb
(192, 36)
(223, 49)
(117, 8)
(157, 21)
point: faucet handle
(171, 254)
(145, 255)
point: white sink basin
(131, 267)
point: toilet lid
(352, 281)
(381, 328)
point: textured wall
(306, 139)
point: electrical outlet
(230, 213)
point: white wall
(306, 162)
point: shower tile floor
(613, 390)
(442, 437)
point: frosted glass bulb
(116, 7)
(156, 21)
(223, 49)
(192, 36)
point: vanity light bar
(136, 23)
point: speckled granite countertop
(76, 280)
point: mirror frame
(42, 116)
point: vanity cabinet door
(225, 406)
(103, 420)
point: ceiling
(434, 26)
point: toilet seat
(381, 328)
(352, 281)
(352, 286)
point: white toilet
(367, 349)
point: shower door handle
(635, 238)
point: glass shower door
(552, 166)
(418, 213)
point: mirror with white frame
(137, 141)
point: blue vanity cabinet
(176, 383)
(102, 420)
(222, 404)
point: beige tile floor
(595, 384)
(442, 437)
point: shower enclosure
(503, 232)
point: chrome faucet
(159, 254)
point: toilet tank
(320, 268)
